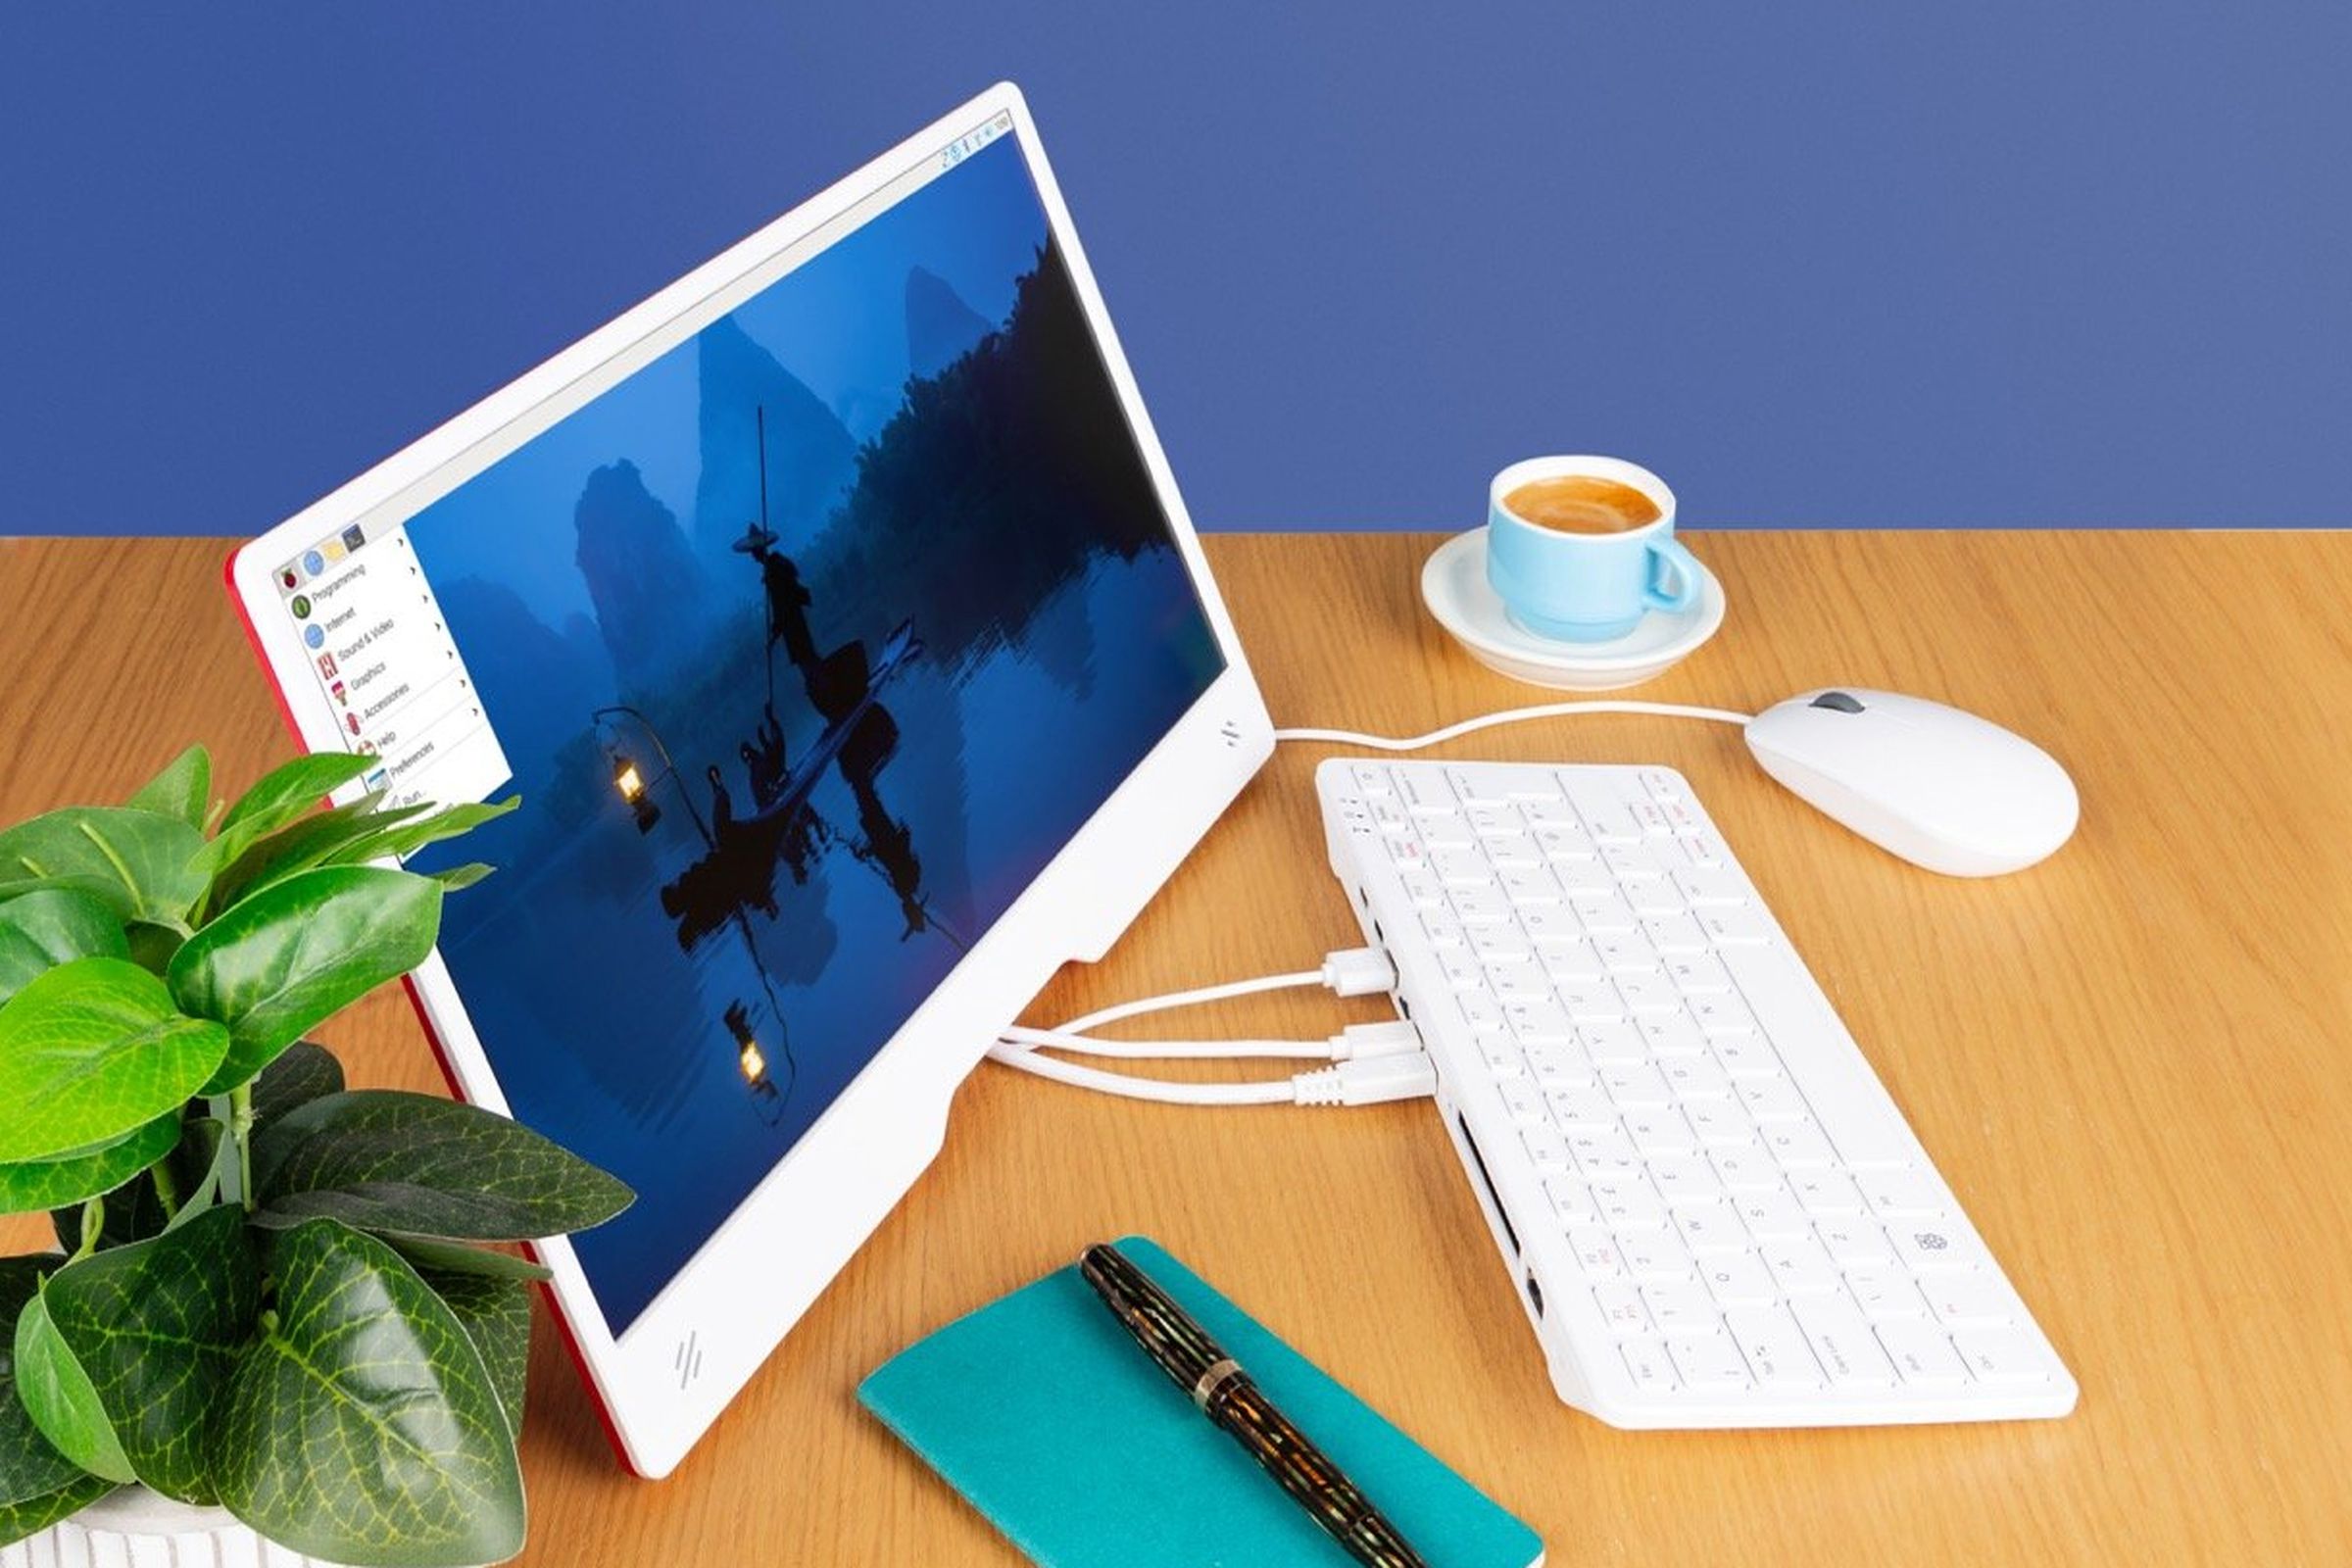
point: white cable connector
(1369, 1081)
(1359, 972)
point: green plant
(273, 1294)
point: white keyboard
(1712, 1212)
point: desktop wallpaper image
(809, 645)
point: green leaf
(157, 1329)
(496, 1314)
(397, 839)
(462, 876)
(30, 1467)
(92, 1050)
(19, 1521)
(305, 1071)
(362, 1426)
(30, 1185)
(152, 947)
(291, 790)
(302, 844)
(52, 926)
(438, 1258)
(295, 954)
(57, 1393)
(139, 862)
(184, 789)
(380, 1159)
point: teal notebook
(1041, 1411)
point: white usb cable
(1509, 716)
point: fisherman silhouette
(788, 598)
(723, 806)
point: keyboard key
(1546, 1147)
(1746, 1170)
(1719, 1124)
(1606, 915)
(1771, 1100)
(1476, 787)
(1571, 964)
(1646, 992)
(1564, 842)
(1738, 1280)
(1723, 1013)
(1672, 932)
(1421, 888)
(1703, 889)
(1686, 1180)
(1626, 953)
(1622, 1310)
(1555, 1064)
(1745, 1056)
(1582, 1109)
(1930, 1250)
(1905, 1195)
(1591, 999)
(1630, 863)
(1921, 1354)
(1596, 1256)
(1675, 1034)
(1492, 943)
(1659, 1132)
(1693, 1079)
(1700, 850)
(1536, 1019)
(1482, 1013)
(2002, 1355)
(1604, 814)
(1551, 811)
(1603, 1153)
(1462, 868)
(1526, 885)
(1636, 1087)
(1885, 1295)
(1969, 1301)
(1856, 1245)
(1425, 792)
(1523, 1103)
(1476, 908)
(1800, 1266)
(1775, 1347)
(1571, 1201)
(1490, 820)
(1654, 1256)
(1516, 979)
(1650, 818)
(1501, 1054)
(1711, 1362)
(1647, 1364)
(1514, 852)
(1682, 1307)
(1369, 778)
(1710, 1230)
(1735, 926)
(1826, 1193)
(1446, 833)
(1463, 971)
(1696, 974)
(1443, 930)
(1549, 925)
(1661, 785)
(1797, 1145)
(1612, 1043)
(1628, 1203)
(1771, 1215)
(1842, 1343)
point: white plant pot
(134, 1528)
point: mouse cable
(1508, 716)
(1366, 1081)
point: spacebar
(1816, 1052)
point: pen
(1225, 1394)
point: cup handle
(1667, 555)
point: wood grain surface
(2133, 1063)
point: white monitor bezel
(667, 1378)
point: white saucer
(1454, 586)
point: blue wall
(1818, 262)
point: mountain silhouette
(649, 592)
(940, 326)
(811, 453)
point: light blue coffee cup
(1585, 587)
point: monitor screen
(805, 644)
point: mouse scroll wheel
(1840, 701)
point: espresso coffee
(1582, 503)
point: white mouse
(1943, 788)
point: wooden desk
(2133, 1063)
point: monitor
(834, 616)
